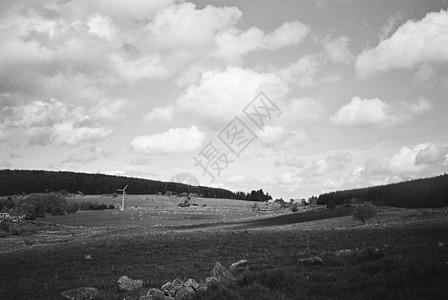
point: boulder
(184, 292)
(166, 288)
(192, 283)
(238, 265)
(211, 280)
(82, 293)
(313, 260)
(127, 284)
(153, 294)
(344, 252)
(221, 272)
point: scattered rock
(313, 260)
(344, 252)
(166, 288)
(211, 280)
(192, 283)
(127, 284)
(153, 294)
(183, 292)
(82, 293)
(221, 272)
(238, 265)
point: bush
(26, 229)
(364, 212)
(331, 205)
(295, 207)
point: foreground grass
(414, 265)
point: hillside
(14, 182)
(427, 192)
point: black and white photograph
(223, 149)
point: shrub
(364, 212)
(26, 229)
(295, 207)
(111, 206)
(331, 205)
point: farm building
(4, 216)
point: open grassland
(414, 265)
(158, 241)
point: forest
(427, 192)
(14, 182)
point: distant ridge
(426, 192)
(14, 182)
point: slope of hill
(14, 182)
(427, 192)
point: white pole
(122, 203)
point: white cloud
(87, 155)
(163, 114)
(220, 95)
(111, 110)
(410, 162)
(333, 162)
(337, 49)
(234, 43)
(175, 140)
(362, 112)
(279, 137)
(54, 122)
(413, 43)
(302, 72)
(387, 29)
(377, 112)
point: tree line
(14, 182)
(419, 193)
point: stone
(313, 260)
(127, 284)
(82, 293)
(344, 252)
(153, 294)
(166, 287)
(192, 283)
(441, 245)
(211, 280)
(221, 272)
(184, 292)
(238, 265)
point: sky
(296, 97)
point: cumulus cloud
(54, 122)
(414, 42)
(279, 137)
(409, 162)
(377, 112)
(333, 162)
(221, 94)
(306, 72)
(164, 114)
(87, 155)
(235, 43)
(175, 140)
(337, 49)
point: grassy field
(414, 266)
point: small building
(4, 216)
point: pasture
(156, 241)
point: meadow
(154, 243)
